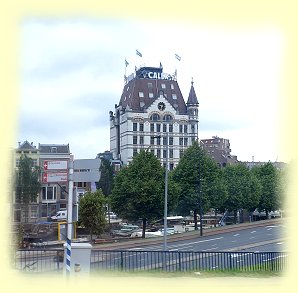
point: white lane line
(195, 242)
(234, 240)
(269, 229)
(252, 237)
(236, 235)
(210, 249)
(271, 226)
(253, 232)
(279, 243)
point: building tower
(152, 109)
(193, 109)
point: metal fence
(39, 260)
(42, 260)
(187, 260)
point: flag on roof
(139, 53)
(177, 57)
(126, 63)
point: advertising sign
(55, 165)
(53, 177)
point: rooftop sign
(153, 73)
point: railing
(39, 260)
(187, 260)
(42, 260)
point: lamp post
(165, 225)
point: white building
(152, 114)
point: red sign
(52, 177)
(55, 165)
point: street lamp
(165, 225)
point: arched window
(155, 117)
(167, 117)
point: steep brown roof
(130, 95)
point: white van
(60, 216)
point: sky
(72, 75)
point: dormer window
(53, 149)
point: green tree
(200, 180)
(271, 190)
(138, 191)
(27, 185)
(92, 212)
(243, 188)
(105, 182)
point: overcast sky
(72, 76)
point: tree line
(137, 191)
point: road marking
(210, 249)
(269, 234)
(234, 240)
(279, 243)
(253, 231)
(269, 229)
(271, 226)
(252, 237)
(236, 235)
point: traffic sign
(55, 165)
(52, 177)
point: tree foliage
(243, 188)
(138, 191)
(105, 182)
(92, 212)
(27, 185)
(271, 187)
(198, 175)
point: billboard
(52, 177)
(55, 165)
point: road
(247, 245)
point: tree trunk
(195, 218)
(267, 214)
(215, 218)
(144, 227)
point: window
(163, 85)
(170, 127)
(158, 154)
(135, 151)
(141, 126)
(185, 141)
(167, 117)
(141, 94)
(155, 117)
(49, 192)
(135, 139)
(164, 153)
(180, 128)
(171, 139)
(152, 140)
(174, 96)
(53, 150)
(152, 127)
(63, 193)
(134, 126)
(164, 139)
(181, 141)
(142, 140)
(151, 95)
(158, 140)
(171, 153)
(164, 127)
(192, 128)
(152, 151)
(185, 128)
(149, 85)
(171, 166)
(62, 206)
(172, 86)
(158, 127)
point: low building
(219, 149)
